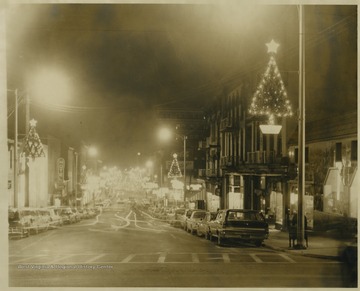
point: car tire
(206, 235)
(220, 240)
(211, 237)
(258, 243)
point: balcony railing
(230, 161)
(261, 157)
(211, 142)
(211, 172)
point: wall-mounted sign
(60, 170)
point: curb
(293, 252)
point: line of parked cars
(236, 225)
(27, 221)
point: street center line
(256, 258)
(94, 258)
(57, 260)
(28, 258)
(162, 258)
(128, 258)
(36, 242)
(226, 258)
(195, 258)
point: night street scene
(179, 145)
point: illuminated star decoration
(33, 122)
(33, 147)
(272, 46)
(270, 98)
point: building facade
(331, 164)
(190, 125)
(248, 169)
(245, 168)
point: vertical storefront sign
(60, 170)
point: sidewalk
(320, 245)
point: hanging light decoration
(270, 98)
(33, 147)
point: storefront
(308, 201)
(340, 192)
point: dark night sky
(124, 60)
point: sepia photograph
(179, 144)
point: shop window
(236, 180)
(354, 150)
(338, 152)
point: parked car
(185, 217)
(192, 223)
(239, 225)
(178, 215)
(67, 215)
(91, 212)
(77, 214)
(170, 215)
(20, 222)
(55, 219)
(203, 228)
(43, 220)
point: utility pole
(16, 158)
(76, 179)
(27, 128)
(185, 137)
(301, 145)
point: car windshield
(27, 212)
(199, 214)
(213, 215)
(237, 215)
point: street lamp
(301, 141)
(43, 84)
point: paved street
(124, 247)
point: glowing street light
(42, 85)
(50, 85)
(92, 151)
(164, 134)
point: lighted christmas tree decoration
(270, 97)
(32, 144)
(174, 171)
